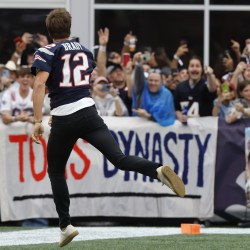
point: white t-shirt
(106, 106)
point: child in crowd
(240, 107)
(226, 94)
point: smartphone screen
(225, 87)
(244, 59)
(125, 59)
(105, 87)
(5, 73)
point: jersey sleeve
(6, 101)
(43, 60)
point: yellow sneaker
(168, 177)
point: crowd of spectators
(143, 82)
(164, 88)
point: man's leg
(101, 138)
(59, 147)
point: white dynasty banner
(96, 187)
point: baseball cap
(112, 68)
(101, 79)
(10, 65)
(166, 71)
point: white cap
(10, 65)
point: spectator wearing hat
(107, 100)
(151, 99)
(4, 84)
(122, 80)
(11, 71)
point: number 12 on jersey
(72, 76)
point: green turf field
(173, 242)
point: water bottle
(184, 112)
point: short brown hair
(242, 84)
(24, 70)
(58, 23)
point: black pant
(88, 125)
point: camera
(76, 38)
(5, 73)
(105, 87)
(35, 37)
(146, 56)
(244, 59)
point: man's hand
(50, 121)
(23, 117)
(239, 107)
(37, 131)
(182, 50)
(42, 40)
(142, 113)
(235, 46)
(240, 68)
(208, 70)
(103, 36)
(181, 117)
(27, 38)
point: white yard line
(51, 235)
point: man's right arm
(39, 94)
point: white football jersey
(12, 101)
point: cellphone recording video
(243, 59)
(76, 38)
(225, 87)
(5, 73)
(146, 56)
(105, 87)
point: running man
(65, 67)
